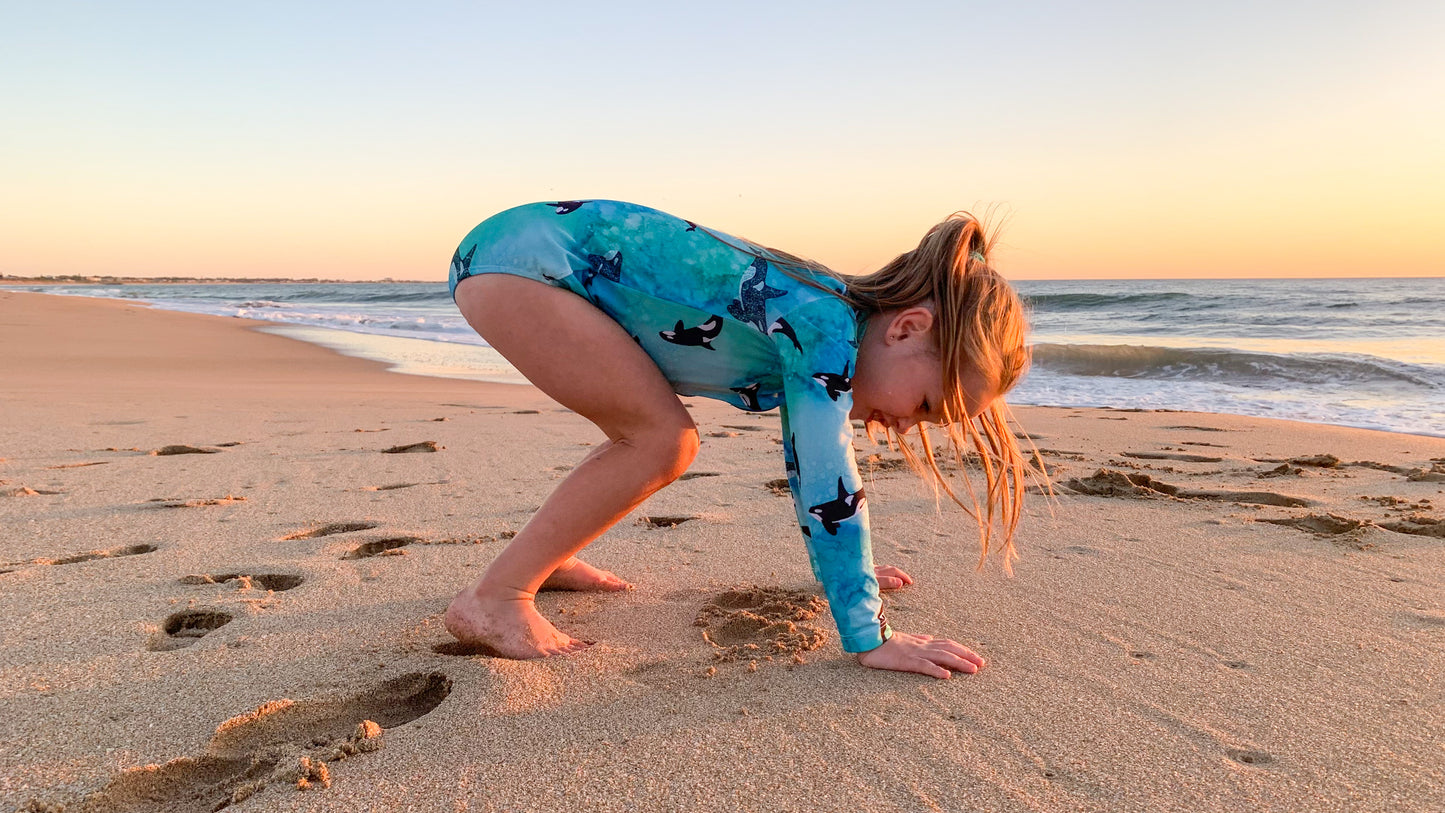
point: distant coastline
(77, 279)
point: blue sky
(362, 140)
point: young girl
(615, 309)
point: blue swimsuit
(720, 321)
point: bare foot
(575, 574)
(508, 627)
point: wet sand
(219, 588)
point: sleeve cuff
(864, 641)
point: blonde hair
(979, 324)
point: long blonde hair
(980, 324)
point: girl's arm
(790, 463)
(828, 493)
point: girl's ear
(916, 319)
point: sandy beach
(221, 591)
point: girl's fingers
(890, 571)
(928, 667)
(955, 663)
(955, 648)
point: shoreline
(474, 357)
(1206, 592)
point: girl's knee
(671, 449)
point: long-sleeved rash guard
(721, 321)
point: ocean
(1353, 352)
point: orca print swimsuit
(721, 321)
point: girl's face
(899, 380)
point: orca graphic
(608, 265)
(791, 466)
(782, 326)
(462, 266)
(806, 533)
(835, 511)
(753, 295)
(700, 336)
(691, 226)
(749, 394)
(567, 207)
(836, 384)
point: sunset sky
(363, 140)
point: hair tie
(977, 255)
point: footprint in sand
(1320, 524)
(1187, 458)
(1417, 525)
(162, 502)
(874, 464)
(1199, 428)
(761, 622)
(778, 486)
(390, 546)
(265, 581)
(281, 742)
(330, 529)
(413, 448)
(1245, 757)
(1282, 470)
(1113, 483)
(184, 628)
(111, 553)
(175, 449)
(22, 491)
(664, 522)
(695, 474)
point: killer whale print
(832, 512)
(782, 326)
(607, 265)
(676, 299)
(700, 336)
(462, 266)
(749, 394)
(753, 295)
(836, 384)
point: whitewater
(1354, 352)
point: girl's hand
(923, 654)
(891, 578)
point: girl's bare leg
(584, 360)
